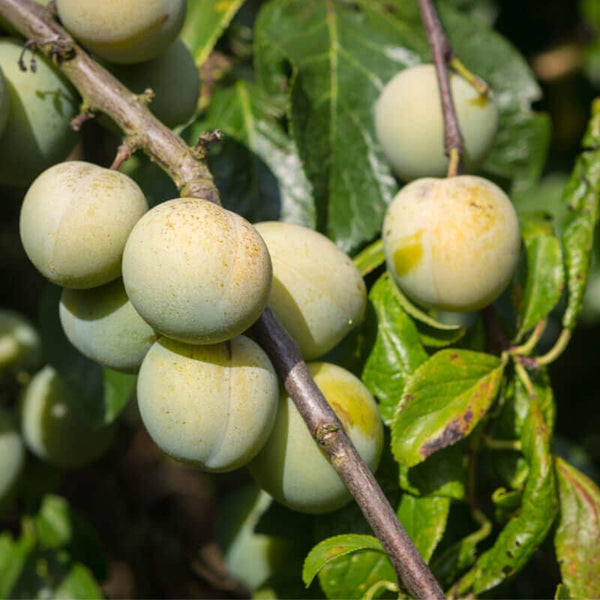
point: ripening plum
(123, 31)
(75, 220)
(103, 325)
(211, 406)
(12, 456)
(42, 104)
(174, 79)
(451, 244)
(409, 124)
(52, 430)
(291, 466)
(196, 272)
(317, 293)
(20, 345)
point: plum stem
(443, 54)
(103, 92)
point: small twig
(523, 375)
(29, 45)
(494, 444)
(559, 347)
(124, 152)
(443, 53)
(528, 347)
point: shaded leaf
(261, 177)
(529, 527)
(460, 556)
(13, 558)
(351, 576)
(442, 474)
(340, 59)
(397, 351)
(424, 519)
(577, 538)
(204, 23)
(336, 547)
(443, 401)
(78, 583)
(582, 196)
(545, 276)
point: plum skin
(41, 105)
(409, 125)
(210, 406)
(318, 294)
(451, 244)
(75, 220)
(196, 272)
(293, 469)
(123, 31)
(104, 326)
(52, 430)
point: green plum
(75, 220)
(52, 430)
(211, 406)
(409, 124)
(12, 456)
(253, 557)
(123, 31)
(174, 79)
(42, 104)
(196, 272)
(20, 345)
(451, 244)
(317, 294)
(103, 325)
(291, 466)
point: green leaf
(260, 176)
(577, 538)
(443, 401)
(118, 390)
(370, 258)
(460, 556)
(582, 196)
(340, 59)
(102, 393)
(352, 576)
(335, 547)
(397, 351)
(529, 527)
(78, 583)
(424, 519)
(13, 558)
(545, 276)
(204, 23)
(442, 474)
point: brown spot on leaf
(454, 432)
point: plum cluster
(450, 244)
(170, 293)
(136, 40)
